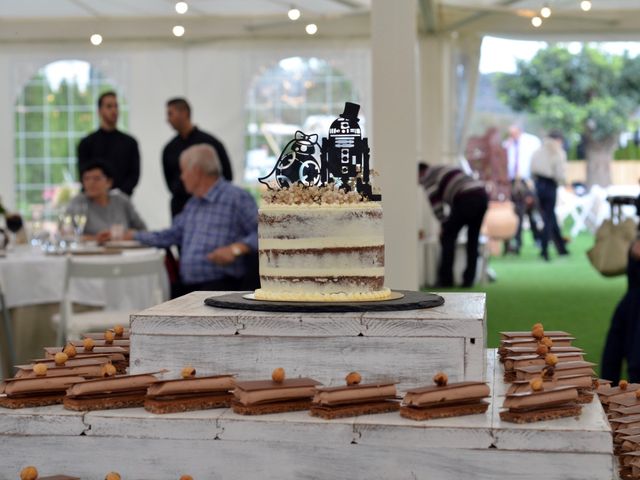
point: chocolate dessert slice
(258, 397)
(186, 394)
(451, 400)
(35, 392)
(354, 399)
(119, 356)
(608, 395)
(561, 369)
(539, 405)
(582, 382)
(84, 367)
(528, 334)
(125, 334)
(512, 364)
(523, 342)
(108, 393)
(509, 351)
(629, 421)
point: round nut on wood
(441, 379)
(637, 393)
(542, 349)
(118, 330)
(623, 384)
(547, 341)
(548, 371)
(109, 336)
(29, 473)
(537, 333)
(188, 372)
(60, 358)
(40, 369)
(108, 370)
(112, 476)
(70, 350)
(88, 344)
(353, 378)
(536, 326)
(278, 375)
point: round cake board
(409, 300)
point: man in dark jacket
(112, 147)
(179, 117)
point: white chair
(72, 324)
(7, 360)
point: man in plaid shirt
(217, 227)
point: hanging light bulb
(311, 29)
(585, 5)
(178, 30)
(536, 21)
(182, 7)
(293, 14)
(545, 12)
(96, 39)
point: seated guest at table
(218, 226)
(103, 207)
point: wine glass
(79, 222)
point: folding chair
(70, 323)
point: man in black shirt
(111, 146)
(179, 117)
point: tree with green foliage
(591, 95)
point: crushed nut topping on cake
(298, 194)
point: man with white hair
(219, 224)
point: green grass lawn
(564, 294)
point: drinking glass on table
(79, 222)
(117, 232)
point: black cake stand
(409, 301)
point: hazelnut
(638, 394)
(623, 384)
(29, 473)
(108, 370)
(88, 344)
(188, 372)
(547, 341)
(551, 359)
(60, 358)
(70, 350)
(537, 326)
(537, 384)
(440, 379)
(118, 330)
(542, 349)
(186, 477)
(112, 476)
(109, 336)
(278, 375)
(537, 333)
(353, 378)
(40, 369)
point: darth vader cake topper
(343, 158)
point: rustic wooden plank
(52, 420)
(138, 423)
(92, 457)
(411, 361)
(474, 360)
(300, 324)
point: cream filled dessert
(321, 252)
(190, 393)
(35, 392)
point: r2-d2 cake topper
(343, 158)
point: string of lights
(546, 12)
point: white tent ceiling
(70, 20)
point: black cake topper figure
(344, 158)
(298, 162)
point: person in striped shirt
(458, 200)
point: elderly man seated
(103, 207)
(218, 225)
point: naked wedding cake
(320, 225)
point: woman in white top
(548, 168)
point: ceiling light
(311, 29)
(536, 21)
(293, 14)
(585, 5)
(182, 7)
(96, 39)
(545, 12)
(178, 30)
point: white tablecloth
(29, 277)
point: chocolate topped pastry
(35, 392)
(268, 396)
(121, 391)
(541, 404)
(354, 399)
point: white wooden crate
(220, 444)
(407, 345)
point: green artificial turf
(563, 294)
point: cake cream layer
(266, 391)
(191, 385)
(541, 399)
(353, 394)
(433, 395)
